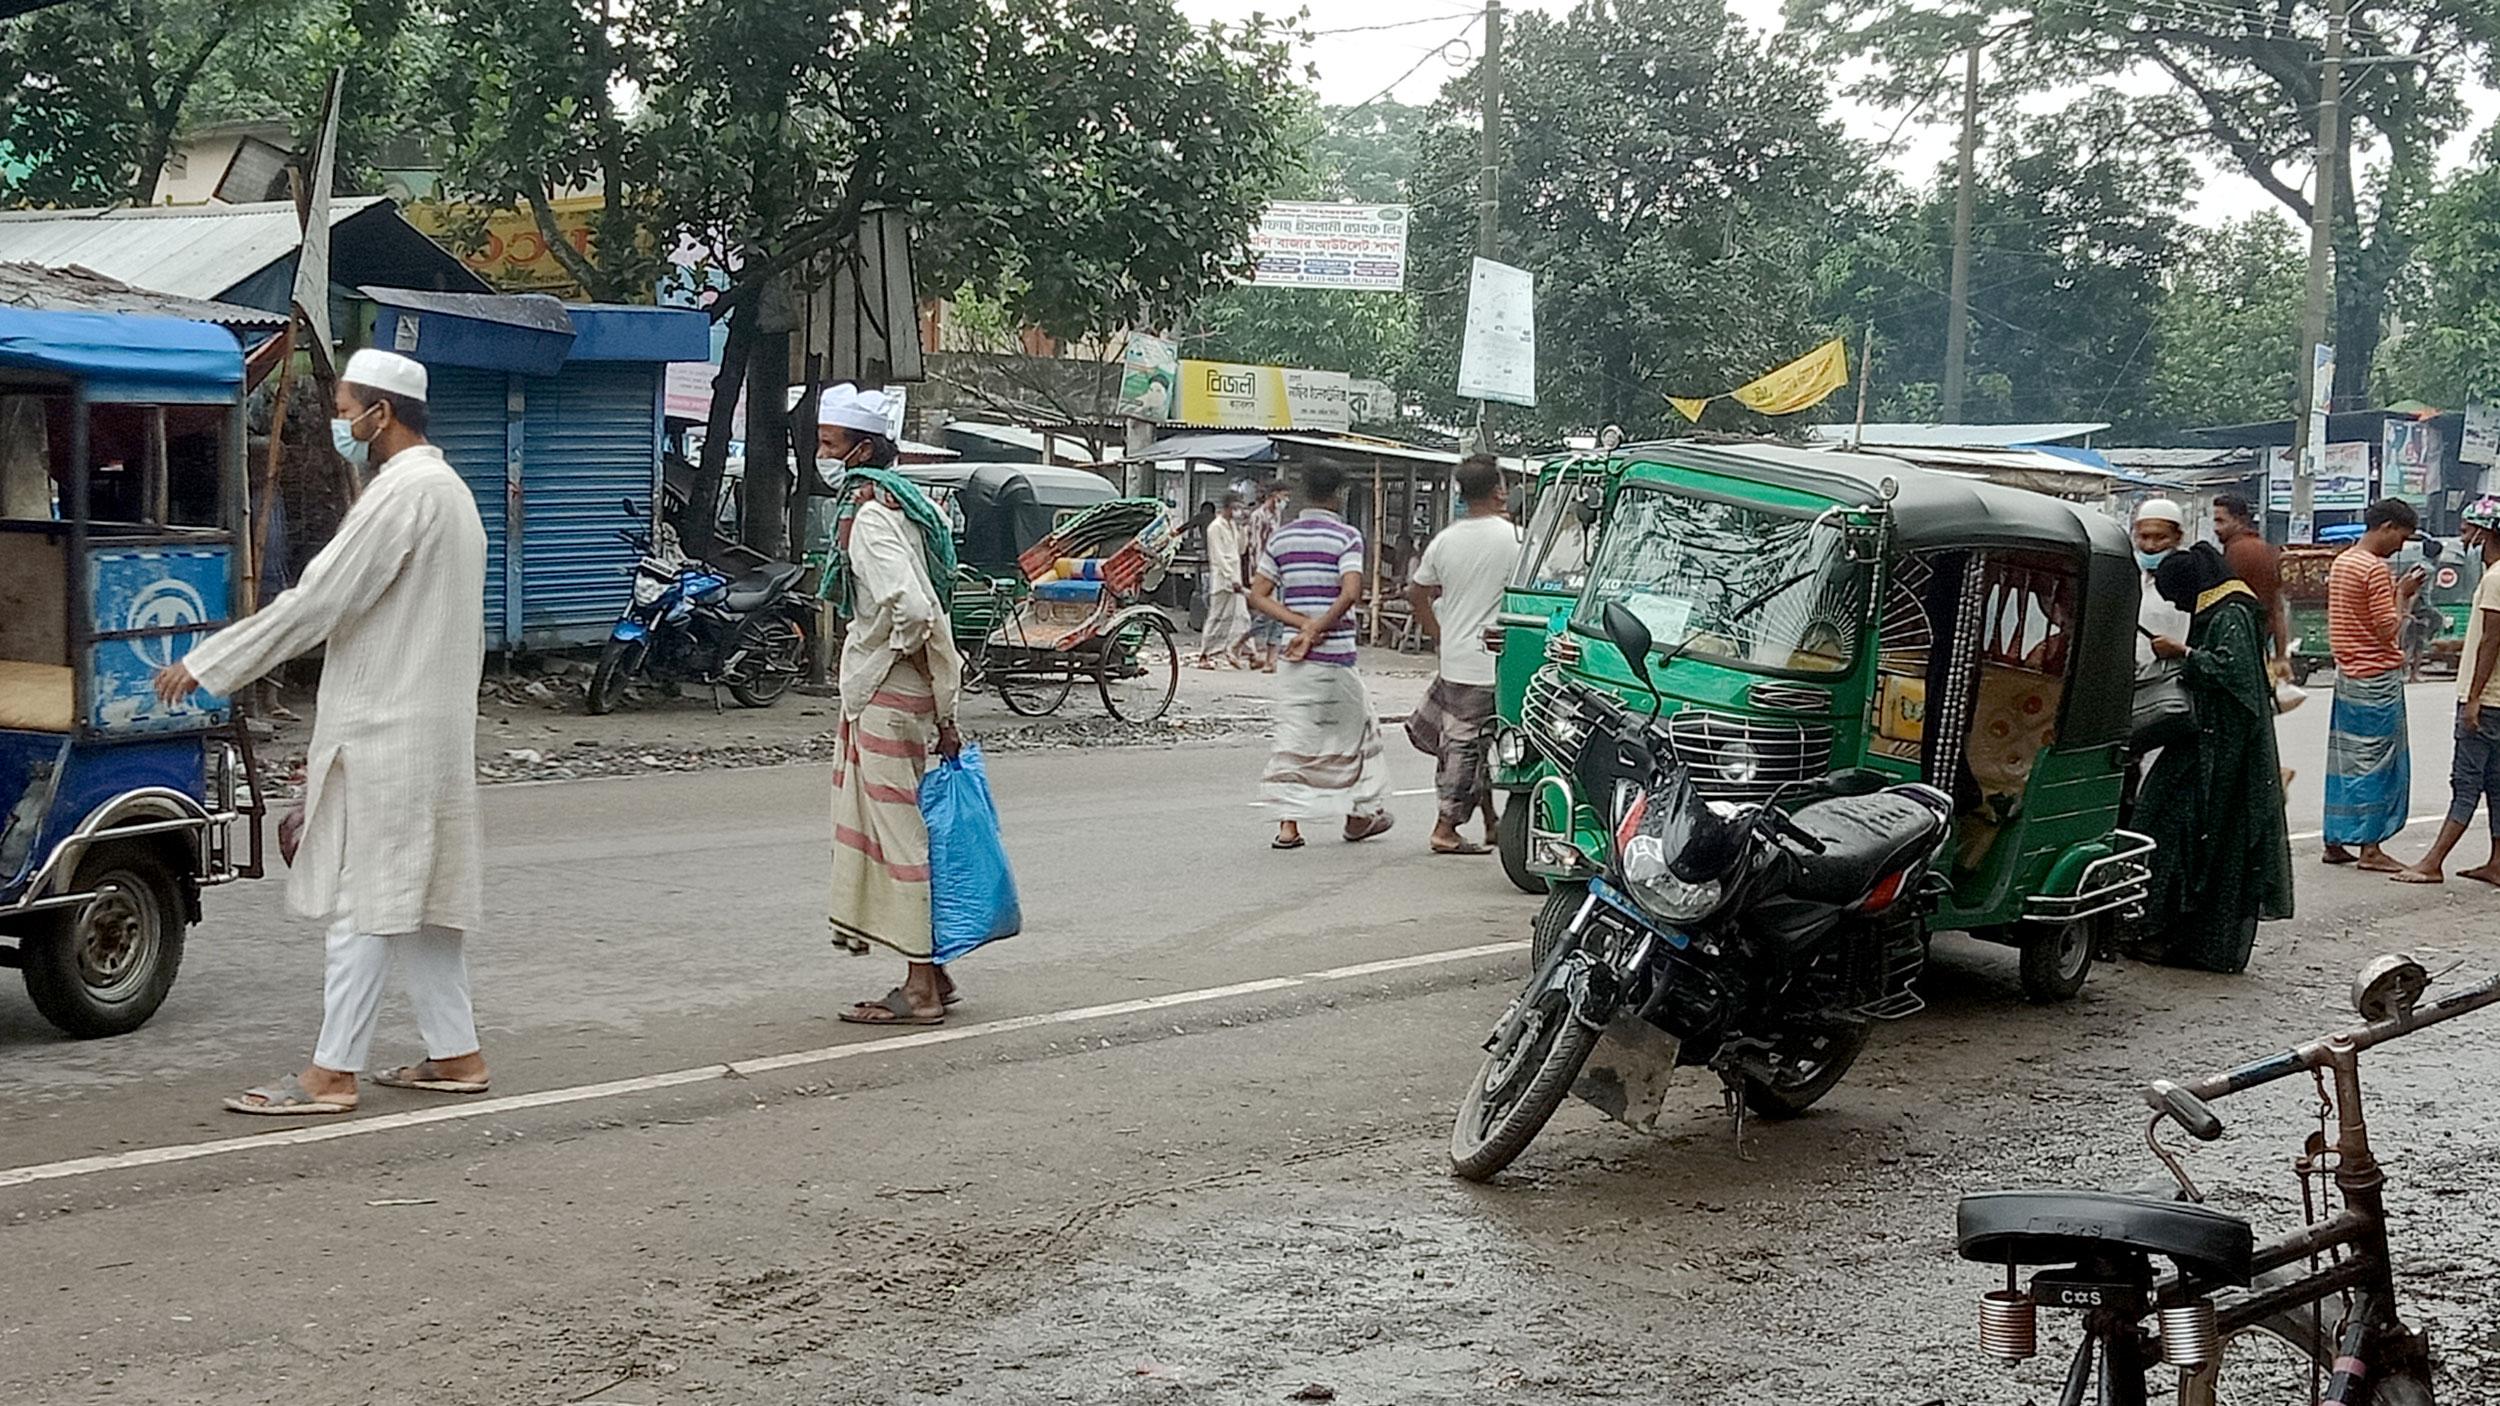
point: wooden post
(257, 538)
(1380, 511)
(1866, 373)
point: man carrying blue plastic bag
(972, 892)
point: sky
(1361, 49)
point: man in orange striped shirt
(2369, 757)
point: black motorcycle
(1757, 941)
(692, 622)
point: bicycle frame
(2374, 1344)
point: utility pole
(2315, 303)
(1957, 310)
(1489, 176)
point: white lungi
(431, 966)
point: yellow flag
(1800, 384)
(1692, 406)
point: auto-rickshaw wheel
(104, 969)
(2057, 957)
(1510, 838)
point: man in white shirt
(389, 838)
(1228, 595)
(1456, 591)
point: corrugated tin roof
(193, 251)
(1902, 434)
(84, 290)
(2171, 457)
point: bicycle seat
(1864, 838)
(2061, 1227)
(757, 588)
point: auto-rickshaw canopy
(1006, 508)
(125, 357)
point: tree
(107, 87)
(1671, 178)
(2249, 71)
(2227, 333)
(1095, 164)
(2452, 352)
(2072, 228)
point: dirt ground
(1247, 1202)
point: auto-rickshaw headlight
(1511, 747)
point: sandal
(425, 1075)
(1359, 830)
(288, 1099)
(1462, 847)
(898, 1011)
(1280, 842)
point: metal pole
(1957, 309)
(1489, 176)
(2315, 301)
(1866, 374)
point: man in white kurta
(390, 846)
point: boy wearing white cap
(389, 840)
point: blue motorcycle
(693, 622)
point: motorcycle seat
(1864, 838)
(757, 588)
(2063, 1227)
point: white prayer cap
(2160, 510)
(869, 412)
(388, 372)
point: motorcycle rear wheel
(782, 647)
(1537, 1055)
(1811, 1064)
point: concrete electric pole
(2316, 303)
(1957, 309)
(1489, 176)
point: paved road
(1183, 1144)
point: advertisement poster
(505, 247)
(2409, 460)
(2481, 442)
(1497, 360)
(1150, 371)
(1228, 395)
(1350, 248)
(2279, 479)
(2344, 478)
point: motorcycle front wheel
(1536, 1054)
(1806, 1064)
(617, 662)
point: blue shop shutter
(465, 419)
(591, 437)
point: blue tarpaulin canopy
(126, 356)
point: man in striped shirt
(2369, 756)
(1328, 762)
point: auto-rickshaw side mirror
(2431, 549)
(627, 502)
(1629, 635)
(1589, 505)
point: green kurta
(2214, 804)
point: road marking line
(338, 1126)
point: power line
(1429, 55)
(1472, 15)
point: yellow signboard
(513, 255)
(1228, 395)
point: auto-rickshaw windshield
(1559, 533)
(1745, 585)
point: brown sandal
(1359, 830)
(898, 1010)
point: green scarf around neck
(937, 540)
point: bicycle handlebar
(2316, 1053)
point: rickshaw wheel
(104, 969)
(1147, 663)
(1034, 695)
(2057, 958)
(1510, 837)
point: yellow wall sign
(1229, 395)
(514, 257)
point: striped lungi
(1328, 762)
(2369, 760)
(880, 842)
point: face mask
(2151, 561)
(343, 438)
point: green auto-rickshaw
(1564, 515)
(1821, 610)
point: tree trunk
(701, 537)
(766, 528)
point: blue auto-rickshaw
(122, 513)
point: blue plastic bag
(972, 892)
